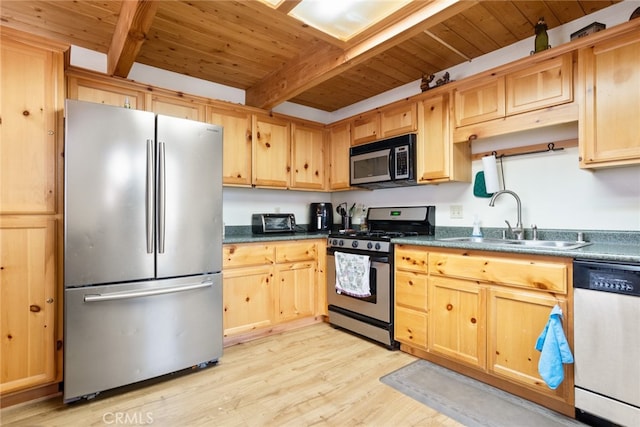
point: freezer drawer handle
(146, 293)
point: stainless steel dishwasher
(607, 342)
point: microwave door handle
(391, 162)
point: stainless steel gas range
(360, 290)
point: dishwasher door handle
(146, 292)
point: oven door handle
(383, 259)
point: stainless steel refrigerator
(142, 246)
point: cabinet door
(27, 302)
(296, 290)
(236, 140)
(398, 120)
(433, 154)
(480, 102)
(411, 259)
(365, 128)
(457, 318)
(541, 85)
(339, 143)
(307, 155)
(183, 107)
(271, 154)
(104, 93)
(28, 154)
(411, 327)
(297, 251)
(610, 112)
(248, 298)
(515, 320)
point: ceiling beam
(321, 64)
(131, 30)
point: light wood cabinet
(28, 301)
(308, 157)
(457, 310)
(236, 152)
(479, 101)
(610, 86)
(484, 312)
(365, 128)
(511, 353)
(438, 159)
(271, 152)
(339, 164)
(104, 91)
(31, 200)
(183, 106)
(265, 285)
(28, 154)
(398, 119)
(540, 85)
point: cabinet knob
(34, 308)
(449, 307)
(49, 300)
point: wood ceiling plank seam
(267, 23)
(262, 62)
(430, 52)
(489, 25)
(469, 32)
(344, 89)
(413, 62)
(511, 17)
(590, 6)
(533, 10)
(98, 38)
(235, 79)
(565, 11)
(227, 32)
(454, 39)
(402, 73)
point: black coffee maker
(320, 217)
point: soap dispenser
(476, 227)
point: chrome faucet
(518, 231)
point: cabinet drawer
(411, 259)
(411, 327)
(296, 252)
(530, 273)
(244, 255)
(411, 290)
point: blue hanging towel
(554, 349)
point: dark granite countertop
(617, 246)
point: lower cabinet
(481, 313)
(265, 285)
(27, 302)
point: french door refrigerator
(142, 246)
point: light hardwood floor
(313, 376)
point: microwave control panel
(402, 162)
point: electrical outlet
(455, 211)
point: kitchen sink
(545, 244)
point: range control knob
(377, 246)
(369, 245)
(354, 244)
(341, 242)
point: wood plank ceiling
(276, 58)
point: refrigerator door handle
(161, 197)
(149, 202)
(146, 293)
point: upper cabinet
(236, 137)
(307, 156)
(103, 91)
(609, 74)
(398, 119)
(271, 152)
(540, 85)
(30, 80)
(339, 144)
(176, 106)
(479, 101)
(438, 159)
(365, 128)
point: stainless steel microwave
(385, 163)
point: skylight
(343, 19)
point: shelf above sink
(543, 244)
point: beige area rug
(468, 401)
